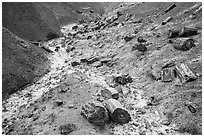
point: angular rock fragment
(119, 13)
(70, 48)
(152, 101)
(105, 60)
(170, 7)
(58, 103)
(67, 129)
(187, 31)
(173, 33)
(187, 45)
(57, 48)
(141, 40)
(75, 63)
(47, 49)
(95, 113)
(168, 64)
(184, 73)
(140, 47)
(165, 122)
(117, 112)
(191, 108)
(90, 60)
(128, 38)
(166, 20)
(124, 79)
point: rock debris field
(141, 75)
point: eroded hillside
(149, 53)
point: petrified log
(95, 113)
(173, 33)
(166, 20)
(170, 7)
(110, 93)
(184, 73)
(186, 32)
(117, 112)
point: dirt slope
(21, 62)
(67, 12)
(30, 21)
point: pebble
(165, 122)
(71, 105)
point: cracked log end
(117, 111)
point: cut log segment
(117, 112)
(184, 73)
(110, 93)
(186, 32)
(170, 7)
(95, 113)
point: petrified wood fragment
(170, 7)
(186, 32)
(184, 73)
